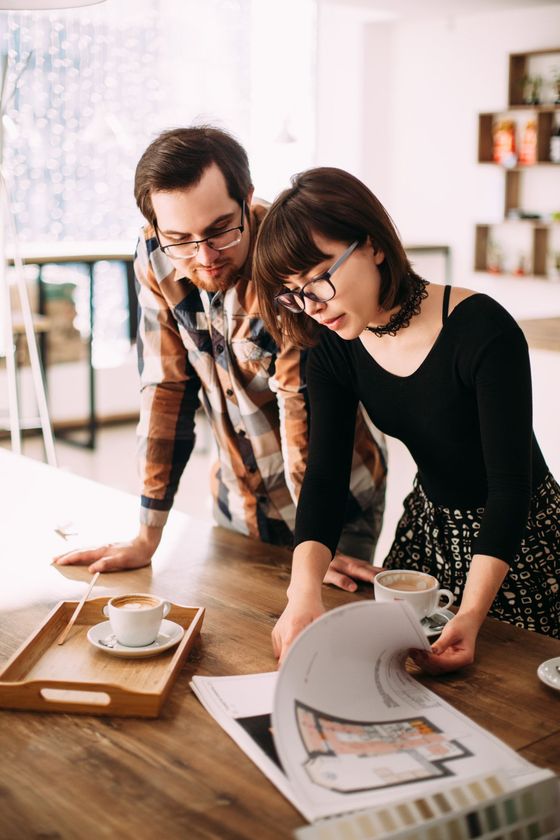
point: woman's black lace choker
(410, 307)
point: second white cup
(418, 589)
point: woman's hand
(454, 649)
(344, 571)
(456, 646)
(299, 612)
(310, 563)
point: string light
(77, 121)
(91, 89)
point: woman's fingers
(449, 637)
(293, 620)
(434, 664)
(276, 645)
(453, 650)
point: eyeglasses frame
(326, 275)
(198, 242)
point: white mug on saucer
(419, 589)
(136, 619)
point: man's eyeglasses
(318, 289)
(220, 241)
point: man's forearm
(149, 537)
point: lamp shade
(43, 5)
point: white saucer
(170, 633)
(433, 634)
(548, 673)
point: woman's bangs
(286, 248)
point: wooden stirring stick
(74, 615)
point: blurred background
(448, 109)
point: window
(91, 87)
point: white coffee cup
(418, 589)
(136, 619)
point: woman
(444, 370)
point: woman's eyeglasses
(319, 289)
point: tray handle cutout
(66, 696)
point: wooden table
(180, 776)
(542, 333)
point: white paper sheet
(350, 727)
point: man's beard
(224, 280)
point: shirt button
(241, 433)
(220, 348)
(229, 392)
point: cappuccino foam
(408, 583)
(135, 602)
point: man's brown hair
(178, 158)
(338, 206)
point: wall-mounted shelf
(545, 115)
(519, 65)
(544, 120)
(539, 255)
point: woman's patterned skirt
(441, 541)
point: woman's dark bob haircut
(339, 207)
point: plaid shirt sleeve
(291, 393)
(169, 394)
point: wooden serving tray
(78, 678)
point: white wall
(340, 96)
(281, 139)
(398, 105)
(445, 74)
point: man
(201, 337)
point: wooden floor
(542, 333)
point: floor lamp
(8, 234)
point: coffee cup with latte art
(136, 619)
(419, 589)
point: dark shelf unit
(545, 115)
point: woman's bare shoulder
(459, 294)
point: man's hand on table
(117, 556)
(344, 571)
(454, 649)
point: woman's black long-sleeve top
(465, 415)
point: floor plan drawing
(349, 756)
